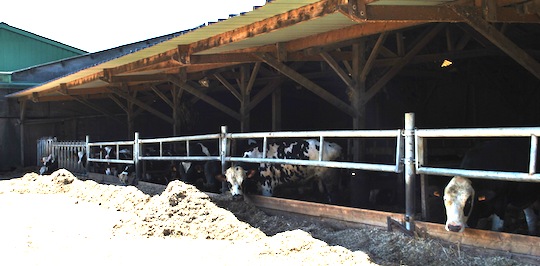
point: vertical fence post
(223, 155)
(87, 151)
(136, 148)
(409, 171)
(532, 156)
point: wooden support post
(177, 96)
(359, 183)
(22, 111)
(130, 116)
(276, 110)
(245, 99)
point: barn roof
(283, 27)
(21, 49)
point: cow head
(458, 201)
(125, 174)
(236, 175)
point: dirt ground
(60, 219)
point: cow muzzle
(454, 228)
(238, 197)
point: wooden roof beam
(63, 90)
(437, 13)
(474, 19)
(197, 93)
(403, 61)
(286, 19)
(308, 84)
(141, 104)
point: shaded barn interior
(358, 65)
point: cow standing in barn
(469, 200)
(49, 165)
(269, 176)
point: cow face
(235, 176)
(458, 201)
(126, 175)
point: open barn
(308, 65)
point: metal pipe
(334, 164)
(321, 148)
(136, 155)
(87, 151)
(532, 156)
(264, 147)
(312, 134)
(495, 175)
(183, 138)
(112, 143)
(223, 154)
(479, 132)
(409, 172)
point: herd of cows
(466, 202)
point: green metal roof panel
(20, 49)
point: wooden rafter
(339, 71)
(474, 19)
(176, 81)
(308, 84)
(435, 13)
(371, 59)
(286, 19)
(161, 95)
(402, 62)
(264, 92)
(118, 102)
(229, 86)
(141, 104)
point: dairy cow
(49, 165)
(469, 200)
(268, 176)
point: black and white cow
(107, 152)
(127, 176)
(49, 165)
(469, 200)
(270, 176)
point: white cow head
(235, 175)
(458, 201)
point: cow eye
(468, 206)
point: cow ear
(486, 195)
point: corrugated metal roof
(271, 9)
(276, 7)
(411, 2)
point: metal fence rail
(409, 156)
(530, 132)
(321, 135)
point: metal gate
(65, 152)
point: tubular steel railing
(409, 156)
(530, 132)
